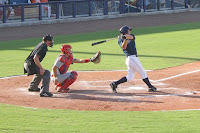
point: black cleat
(46, 94)
(113, 86)
(34, 90)
(152, 89)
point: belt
(132, 55)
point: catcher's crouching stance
(60, 77)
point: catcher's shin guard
(69, 80)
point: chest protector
(67, 62)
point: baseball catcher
(60, 75)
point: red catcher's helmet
(66, 49)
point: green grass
(158, 47)
(19, 119)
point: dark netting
(82, 8)
(131, 6)
(15, 13)
(113, 6)
(97, 7)
(179, 3)
(66, 9)
(195, 3)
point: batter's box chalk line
(155, 82)
(67, 95)
(179, 75)
(124, 89)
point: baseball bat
(103, 41)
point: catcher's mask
(124, 29)
(48, 38)
(66, 49)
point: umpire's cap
(124, 29)
(48, 38)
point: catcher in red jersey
(60, 75)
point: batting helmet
(66, 49)
(48, 38)
(124, 29)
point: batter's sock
(122, 80)
(146, 80)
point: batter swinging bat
(103, 41)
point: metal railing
(83, 8)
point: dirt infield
(178, 89)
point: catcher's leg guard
(64, 86)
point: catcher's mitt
(96, 58)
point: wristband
(87, 60)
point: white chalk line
(85, 83)
(177, 110)
(137, 88)
(188, 93)
(112, 71)
(12, 76)
(179, 75)
(8, 77)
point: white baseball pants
(133, 64)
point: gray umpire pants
(45, 81)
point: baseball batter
(60, 77)
(126, 41)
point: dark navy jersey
(130, 49)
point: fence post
(186, 3)
(172, 4)
(40, 12)
(139, 5)
(143, 4)
(57, 11)
(105, 7)
(4, 14)
(158, 5)
(89, 5)
(121, 7)
(74, 9)
(22, 13)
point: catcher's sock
(122, 80)
(146, 80)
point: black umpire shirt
(40, 50)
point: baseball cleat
(34, 90)
(113, 86)
(152, 89)
(46, 94)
